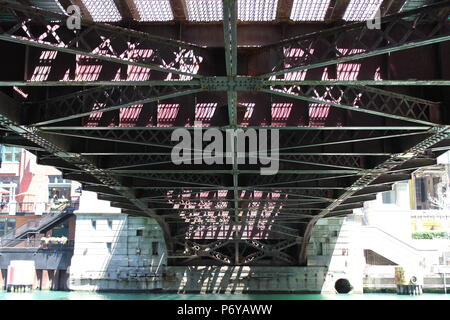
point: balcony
(36, 208)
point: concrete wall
(44, 259)
(396, 222)
(244, 279)
(382, 278)
(334, 246)
(115, 252)
(43, 279)
(51, 266)
(129, 264)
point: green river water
(67, 295)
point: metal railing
(30, 243)
(4, 208)
(34, 226)
(22, 229)
(59, 206)
(32, 207)
(28, 206)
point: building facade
(29, 190)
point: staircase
(392, 248)
(50, 220)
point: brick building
(28, 189)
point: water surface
(74, 295)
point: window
(388, 197)
(11, 154)
(58, 180)
(110, 223)
(94, 224)
(6, 224)
(155, 246)
(319, 249)
(139, 233)
(436, 184)
(58, 187)
(61, 230)
(109, 246)
(421, 194)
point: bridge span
(356, 109)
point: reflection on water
(64, 295)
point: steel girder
(100, 100)
(324, 171)
(9, 118)
(292, 142)
(438, 134)
(230, 44)
(214, 85)
(48, 30)
(363, 99)
(350, 42)
(164, 160)
(261, 250)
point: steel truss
(229, 213)
(48, 30)
(350, 42)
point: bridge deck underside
(102, 103)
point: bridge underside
(357, 108)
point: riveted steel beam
(428, 25)
(230, 41)
(10, 117)
(231, 83)
(238, 83)
(287, 128)
(95, 100)
(209, 171)
(340, 168)
(141, 161)
(358, 83)
(265, 250)
(143, 138)
(437, 134)
(365, 100)
(118, 83)
(97, 40)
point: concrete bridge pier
(114, 251)
(335, 246)
(117, 252)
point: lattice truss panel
(353, 41)
(340, 140)
(103, 42)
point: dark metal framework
(349, 141)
